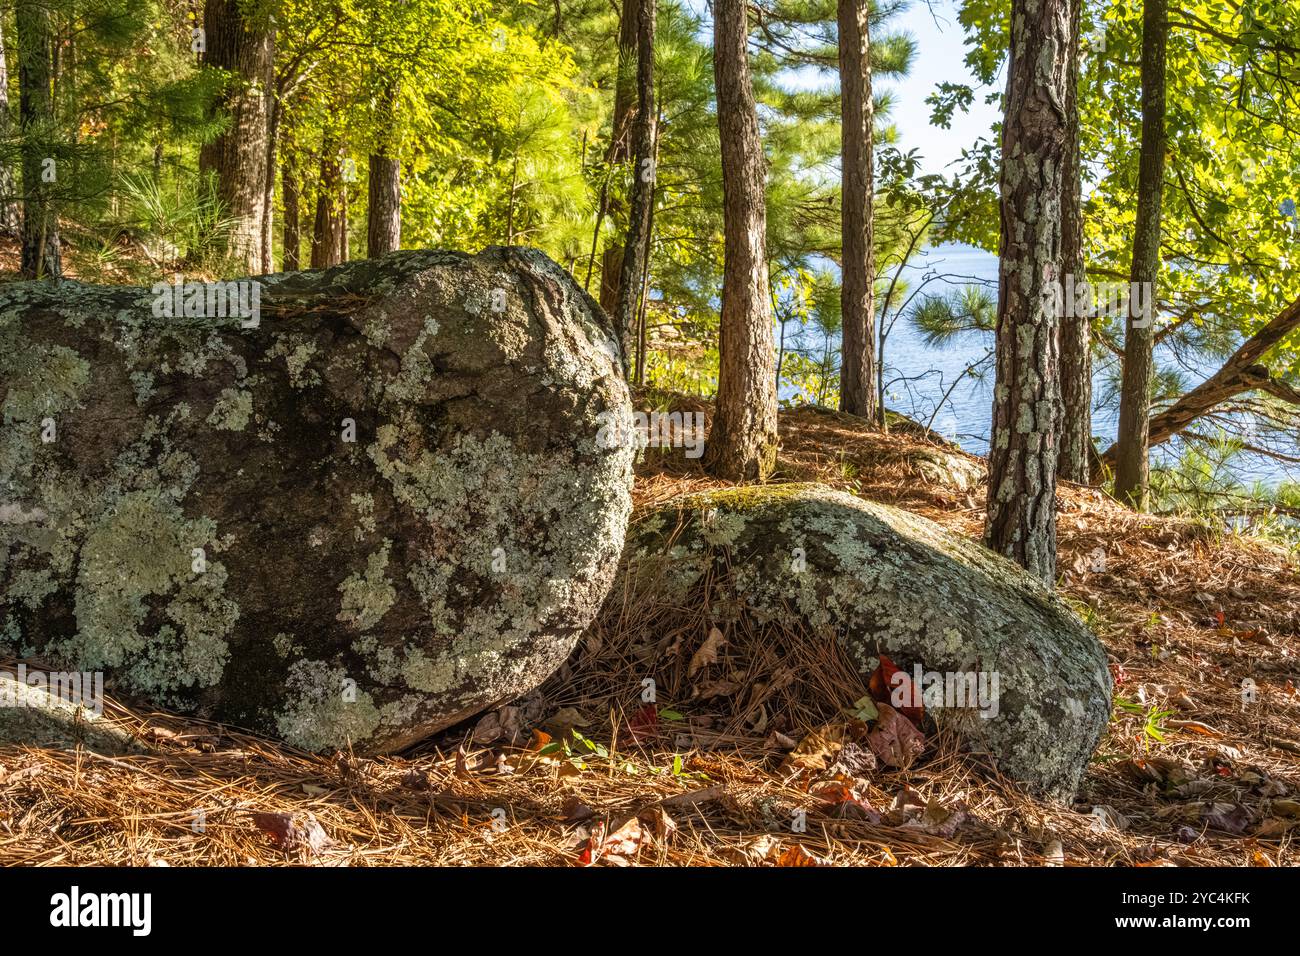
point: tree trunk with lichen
(742, 443)
(1021, 521)
(403, 453)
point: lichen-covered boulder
(364, 504)
(999, 658)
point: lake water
(918, 375)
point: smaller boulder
(985, 647)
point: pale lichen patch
(325, 708)
(232, 410)
(367, 597)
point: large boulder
(1002, 661)
(354, 508)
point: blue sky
(939, 59)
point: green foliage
(185, 221)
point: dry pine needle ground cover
(751, 756)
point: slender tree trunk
(268, 191)
(329, 227)
(620, 150)
(1076, 323)
(636, 247)
(41, 255)
(384, 197)
(780, 356)
(643, 307)
(1021, 521)
(291, 189)
(1132, 475)
(245, 48)
(858, 354)
(882, 337)
(510, 204)
(384, 216)
(345, 234)
(743, 442)
(11, 220)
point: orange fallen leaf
(889, 681)
(797, 856)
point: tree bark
(41, 250)
(245, 48)
(1021, 522)
(1132, 467)
(1076, 324)
(743, 442)
(858, 350)
(328, 229)
(11, 220)
(620, 149)
(636, 246)
(291, 189)
(384, 213)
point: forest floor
(1189, 772)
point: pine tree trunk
(1076, 324)
(620, 150)
(384, 214)
(1021, 521)
(328, 229)
(857, 363)
(238, 157)
(636, 246)
(1132, 475)
(742, 443)
(11, 220)
(41, 254)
